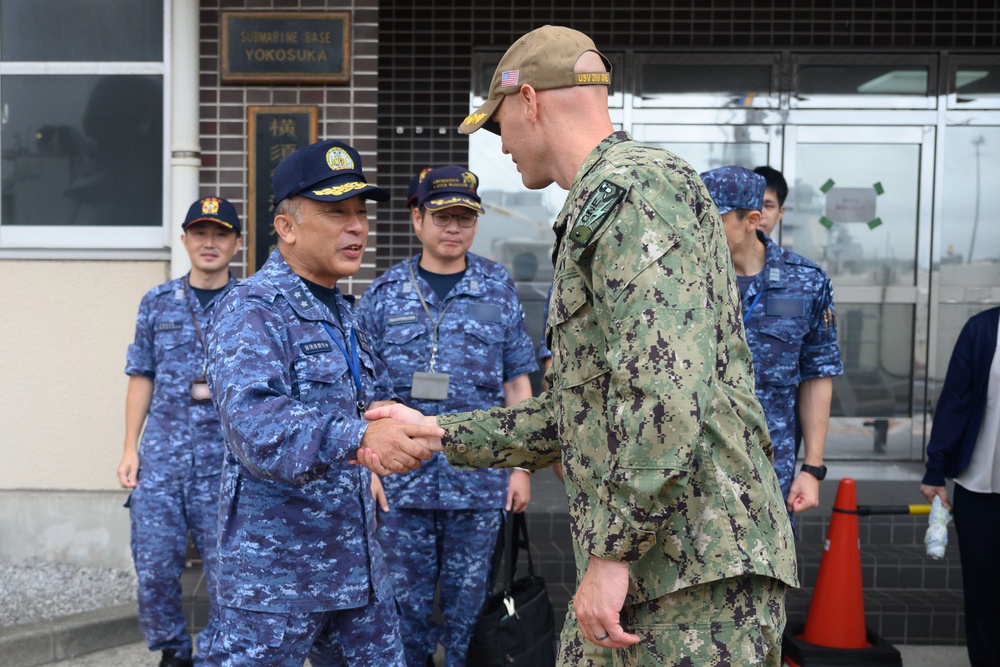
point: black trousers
(977, 523)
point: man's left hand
(390, 446)
(599, 600)
(804, 494)
(518, 491)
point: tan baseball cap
(543, 59)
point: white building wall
(65, 330)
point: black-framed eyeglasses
(465, 220)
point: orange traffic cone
(837, 611)
(835, 631)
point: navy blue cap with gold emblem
(449, 186)
(325, 171)
(411, 192)
(213, 209)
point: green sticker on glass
(872, 224)
(826, 187)
(878, 188)
(826, 222)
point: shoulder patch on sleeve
(596, 212)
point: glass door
(859, 205)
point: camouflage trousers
(734, 622)
(163, 508)
(425, 549)
(362, 637)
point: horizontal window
(81, 30)
(82, 150)
(82, 133)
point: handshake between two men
(398, 439)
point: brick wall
(347, 112)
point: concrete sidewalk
(137, 655)
(90, 632)
(86, 636)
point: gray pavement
(137, 655)
(83, 632)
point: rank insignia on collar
(596, 212)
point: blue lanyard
(353, 362)
(752, 306)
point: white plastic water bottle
(936, 538)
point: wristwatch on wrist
(819, 472)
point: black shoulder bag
(515, 627)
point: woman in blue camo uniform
(175, 472)
(449, 327)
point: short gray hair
(290, 206)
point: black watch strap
(819, 472)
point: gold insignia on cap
(210, 206)
(469, 180)
(340, 189)
(447, 202)
(337, 158)
(473, 118)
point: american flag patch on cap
(509, 78)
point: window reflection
(82, 150)
(876, 343)
(78, 30)
(836, 187)
(979, 79)
(872, 408)
(709, 155)
(516, 230)
(856, 79)
(657, 80)
(970, 230)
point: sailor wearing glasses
(448, 326)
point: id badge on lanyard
(429, 386)
(200, 392)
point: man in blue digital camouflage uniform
(300, 573)
(175, 472)
(448, 325)
(791, 328)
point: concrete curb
(66, 637)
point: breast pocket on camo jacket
(580, 377)
(323, 380)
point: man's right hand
(390, 445)
(401, 413)
(128, 469)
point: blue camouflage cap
(325, 171)
(733, 187)
(449, 186)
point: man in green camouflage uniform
(682, 542)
